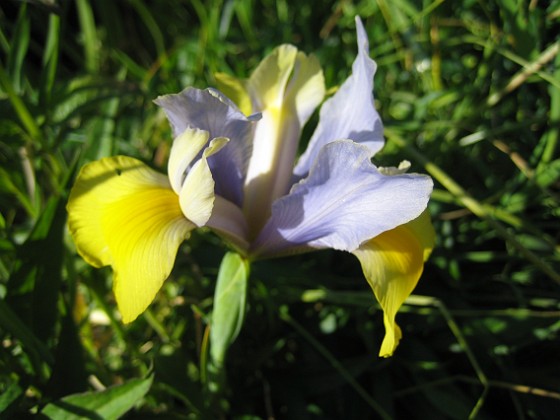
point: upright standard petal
(211, 111)
(393, 263)
(343, 202)
(286, 88)
(123, 214)
(350, 113)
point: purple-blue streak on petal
(343, 202)
(350, 113)
(212, 111)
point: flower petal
(350, 113)
(286, 87)
(229, 222)
(306, 88)
(343, 202)
(268, 81)
(197, 194)
(211, 111)
(123, 214)
(185, 148)
(392, 263)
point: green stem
(21, 110)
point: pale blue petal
(350, 113)
(343, 202)
(211, 111)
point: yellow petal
(123, 214)
(306, 89)
(423, 231)
(392, 263)
(268, 82)
(197, 194)
(185, 148)
(235, 90)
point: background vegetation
(469, 92)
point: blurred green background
(469, 92)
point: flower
(233, 168)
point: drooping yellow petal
(197, 195)
(123, 214)
(393, 263)
(423, 231)
(235, 89)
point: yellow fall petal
(392, 264)
(123, 214)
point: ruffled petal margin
(392, 264)
(350, 113)
(123, 214)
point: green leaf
(69, 369)
(549, 174)
(50, 62)
(229, 305)
(89, 34)
(18, 50)
(34, 286)
(8, 187)
(10, 397)
(38, 353)
(110, 403)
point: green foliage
(469, 92)
(110, 403)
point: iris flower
(233, 168)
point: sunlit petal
(185, 148)
(123, 214)
(197, 194)
(343, 202)
(267, 83)
(350, 113)
(392, 263)
(306, 88)
(286, 88)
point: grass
(469, 92)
